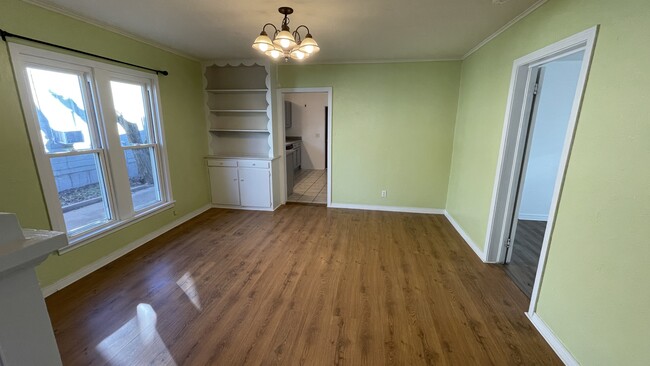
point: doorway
(521, 171)
(555, 84)
(306, 130)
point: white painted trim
(422, 210)
(552, 340)
(73, 277)
(533, 217)
(503, 186)
(104, 26)
(386, 61)
(465, 236)
(513, 118)
(114, 227)
(588, 38)
(280, 105)
(504, 28)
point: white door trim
(505, 184)
(280, 126)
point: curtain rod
(5, 34)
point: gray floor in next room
(310, 186)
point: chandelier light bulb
(274, 53)
(297, 54)
(285, 43)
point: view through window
(100, 154)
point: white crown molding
(92, 267)
(505, 27)
(109, 28)
(383, 61)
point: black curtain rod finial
(4, 34)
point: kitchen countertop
(292, 139)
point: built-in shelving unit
(244, 173)
(238, 103)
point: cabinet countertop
(249, 157)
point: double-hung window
(97, 139)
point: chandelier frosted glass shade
(308, 45)
(263, 43)
(284, 43)
(285, 40)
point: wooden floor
(304, 285)
(525, 255)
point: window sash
(103, 133)
(106, 194)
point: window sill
(110, 229)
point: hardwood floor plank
(527, 247)
(304, 285)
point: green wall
(183, 118)
(595, 294)
(392, 128)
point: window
(97, 138)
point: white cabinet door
(255, 187)
(224, 185)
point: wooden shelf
(238, 110)
(237, 130)
(225, 91)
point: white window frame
(118, 193)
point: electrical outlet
(383, 193)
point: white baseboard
(533, 217)
(465, 237)
(552, 340)
(422, 210)
(84, 271)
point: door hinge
(536, 89)
(508, 243)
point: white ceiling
(346, 30)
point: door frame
(282, 137)
(510, 154)
(529, 118)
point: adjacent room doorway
(306, 137)
(543, 106)
(547, 122)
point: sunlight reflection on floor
(139, 335)
(186, 283)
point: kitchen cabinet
(240, 183)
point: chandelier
(285, 43)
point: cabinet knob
(242, 180)
(235, 179)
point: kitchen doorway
(520, 168)
(306, 118)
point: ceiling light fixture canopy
(285, 43)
